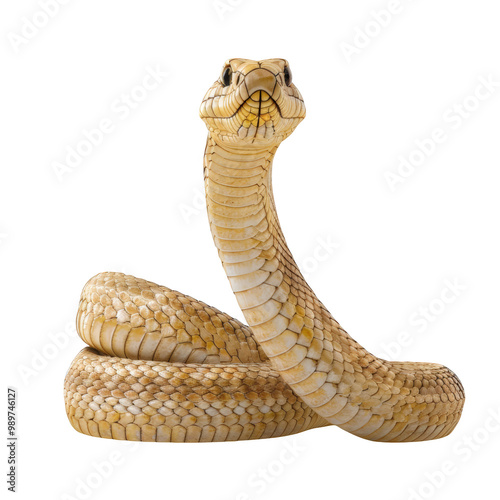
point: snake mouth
(258, 116)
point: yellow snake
(163, 366)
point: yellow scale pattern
(213, 382)
(165, 367)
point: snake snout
(263, 80)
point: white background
(134, 205)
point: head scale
(252, 104)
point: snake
(162, 366)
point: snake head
(253, 103)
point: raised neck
(323, 365)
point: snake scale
(163, 366)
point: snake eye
(288, 75)
(226, 76)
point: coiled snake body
(163, 366)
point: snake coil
(163, 366)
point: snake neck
(244, 222)
(285, 315)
